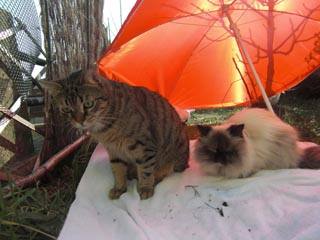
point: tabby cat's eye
(88, 104)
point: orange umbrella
(214, 53)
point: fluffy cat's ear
(236, 130)
(204, 130)
(52, 87)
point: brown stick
(8, 177)
(37, 163)
(48, 165)
(7, 144)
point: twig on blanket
(194, 187)
(219, 210)
(197, 194)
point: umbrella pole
(247, 57)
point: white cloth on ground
(279, 204)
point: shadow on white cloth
(279, 204)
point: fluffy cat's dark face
(83, 103)
(220, 145)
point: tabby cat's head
(221, 144)
(80, 98)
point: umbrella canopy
(188, 50)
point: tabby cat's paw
(145, 192)
(115, 193)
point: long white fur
(270, 144)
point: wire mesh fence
(74, 37)
(20, 46)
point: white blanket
(281, 204)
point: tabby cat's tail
(311, 158)
(180, 166)
(182, 158)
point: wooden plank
(16, 117)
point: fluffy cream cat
(250, 140)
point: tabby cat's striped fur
(140, 129)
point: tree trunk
(270, 31)
(74, 39)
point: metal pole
(120, 12)
(108, 31)
(247, 57)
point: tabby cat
(142, 132)
(251, 140)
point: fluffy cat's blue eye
(88, 104)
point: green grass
(39, 212)
(33, 212)
(303, 114)
(211, 116)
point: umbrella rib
(190, 24)
(201, 10)
(218, 39)
(190, 14)
(244, 11)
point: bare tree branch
(252, 8)
(242, 78)
(300, 27)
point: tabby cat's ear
(91, 76)
(52, 87)
(236, 130)
(204, 130)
